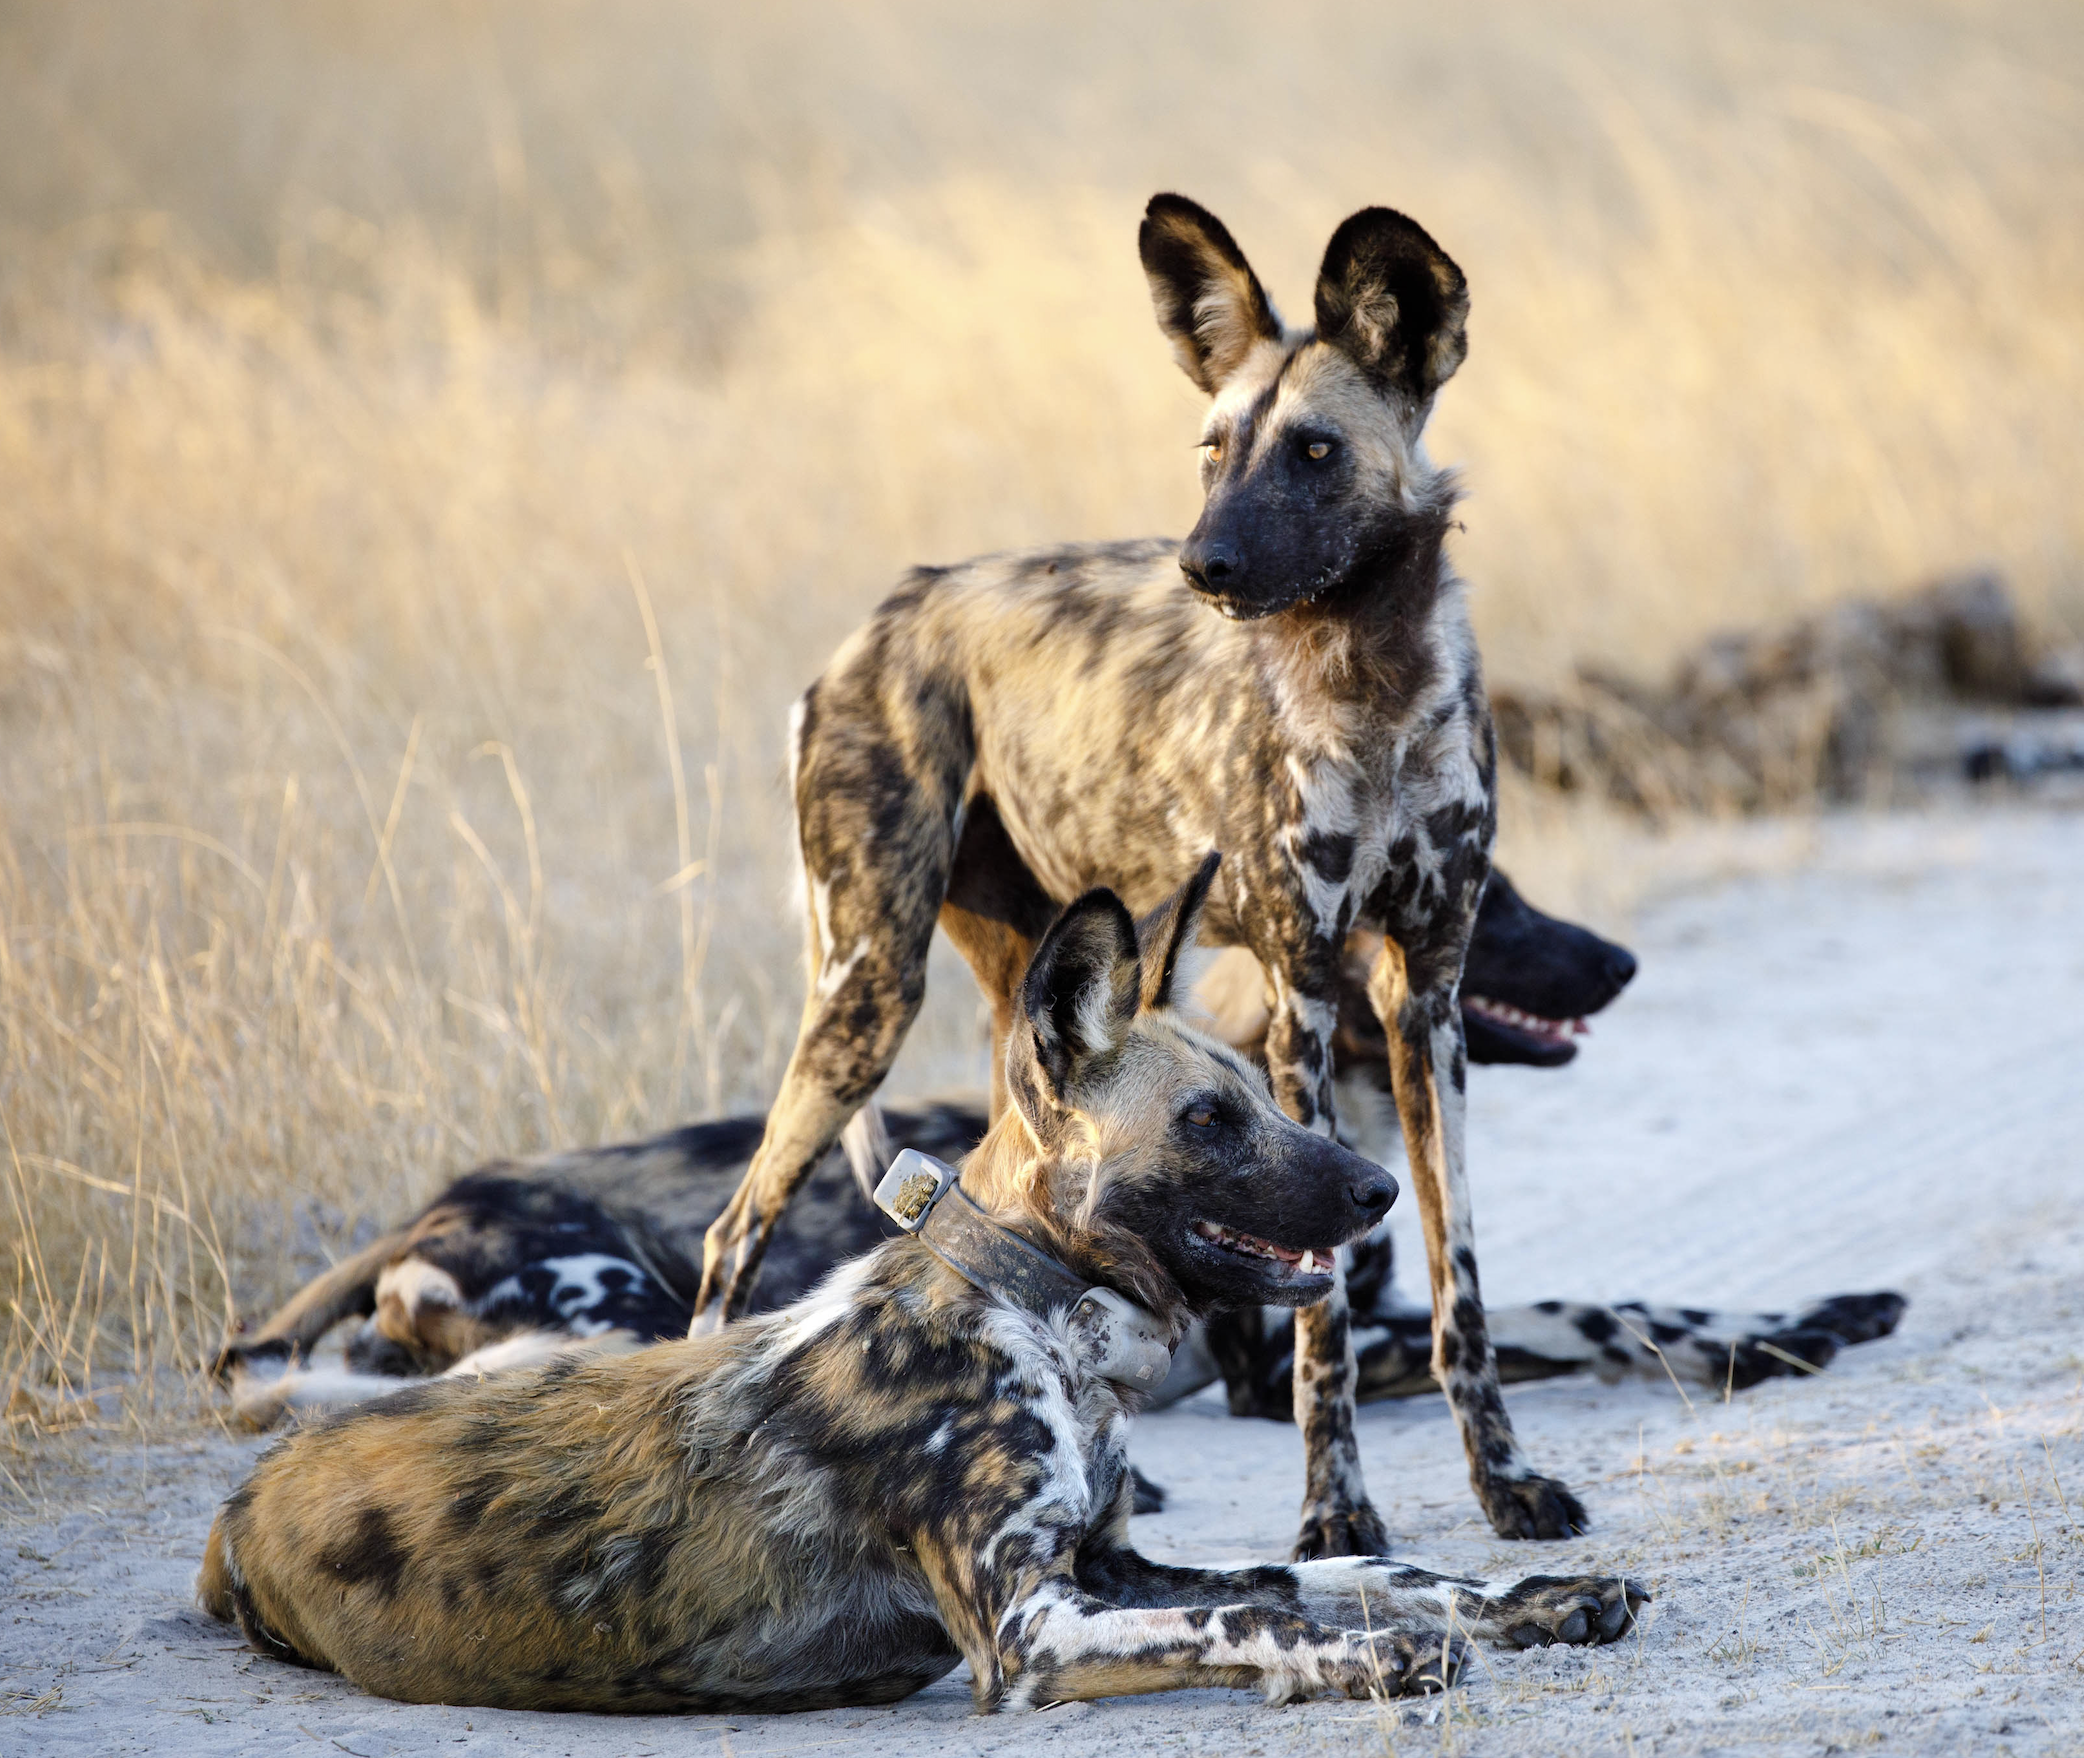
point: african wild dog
(1004, 734)
(922, 1463)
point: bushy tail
(213, 1581)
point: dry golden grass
(366, 370)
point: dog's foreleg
(1337, 1517)
(1578, 1611)
(1352, 1593)
(1429, 1070)
(1062, 1644)
(261, 1399)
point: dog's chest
(1342, 827)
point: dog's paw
(1579, 1612)
(1150, 1497)
(1532, 1507)
(1396, 1665)
(259, 1401)
(1387, 1663)
(1341, 1529)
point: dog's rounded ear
(1168, 931)
(1394, 303)
(1078, 998)
(1207, 298)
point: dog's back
(603, 1535)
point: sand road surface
(1864, 1071)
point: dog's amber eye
(1212, 451)
(1317, 451)
(1202, 1116)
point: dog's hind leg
(860, 1007)
(877, 807)
(1413, 990)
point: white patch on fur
(414, 1283)
(577, 1288)
(821, 918)
(527, 1349)
(263, 1401)
(837, 971)
(1326, 790)
(822, 1308)
(1096, 1018)
(1045, 1367)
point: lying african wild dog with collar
(601, 1248)
(1004, 734)
(922, 1463)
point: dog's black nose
(1620, 967)
(1211, 565)
(1374, 1195)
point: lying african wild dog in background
(836, 1503)
(1003, 734)
(602, 1248)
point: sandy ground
(1866, 1071)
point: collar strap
(1117, 1339)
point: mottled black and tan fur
(836, 1503)
(1004, 734)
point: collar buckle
(909, 1190)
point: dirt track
(1866, 1072)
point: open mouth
(1555, 1033)
(1309, 1261)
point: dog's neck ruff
(1115, 1338)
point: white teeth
(1310, 1263)
(1522, 1020)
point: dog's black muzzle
(1216, 573)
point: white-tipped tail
(869, 1149)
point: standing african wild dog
(1004, 734)
(924, 1462)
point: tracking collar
(1115, 1338)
